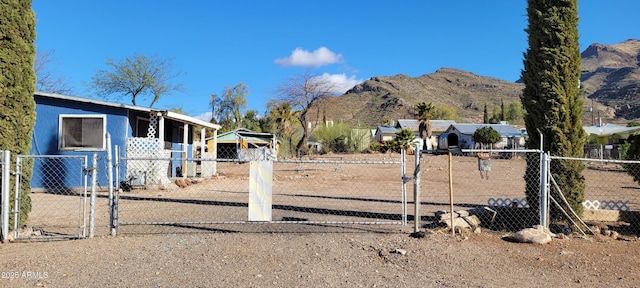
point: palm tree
(282, 116)
(425, 110)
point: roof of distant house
(609, 129)
(504, 129)
(387, 129)
(436, 125)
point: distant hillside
(395, 97)
(610, 78)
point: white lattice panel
(150, 164)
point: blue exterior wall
(45, 140)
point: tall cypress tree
(552, 98)
(485, 119)
(17, 85)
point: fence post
(403, 154)
(92, 205)
(416, 190)
(116, 196)
(544, 192)
(6, 172)
(110, 181)
(16, 196)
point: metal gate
(58, 197)
(325, 193)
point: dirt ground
(321, 248)
(319, 259)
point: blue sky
(216, 44)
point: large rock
(537, 235)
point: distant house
(385, 133)
(461, 136)
(437, 127)
(244, 144)
(68, 125)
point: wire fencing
(497, 200)
(611, 194)
(58, 198)
(316, 193)
(457, 183)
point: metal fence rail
(308, 193)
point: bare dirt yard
(365, 259)
(198, 240)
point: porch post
(202, 142)
(185, 144)
(215, 151)
(161, 129)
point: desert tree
(47, 80)
(136, 76)
(17, 86)
(212, 104)
(231, 105)
(283, 117)
(304, 92)
(486, 135)
(445, 112)
(251, 120)
(552, 98)
(515, 113)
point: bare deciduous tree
(47, 80)
(304, 92)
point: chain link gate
(314, 194)
(59, 199)
(493, 199)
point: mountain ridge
(610, 80)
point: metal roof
(411, 124)
(165, 113)
(469, 129)
(387, 129)
(441, 125)
(609, 129)
(436, 125)
(247, 134)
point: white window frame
(61, 130)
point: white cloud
(300, 57)
(340, 83)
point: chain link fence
(313, 193)
(611, 195)
(59, 197)
(494, 199)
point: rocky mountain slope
(610, 79)
(611, 76)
